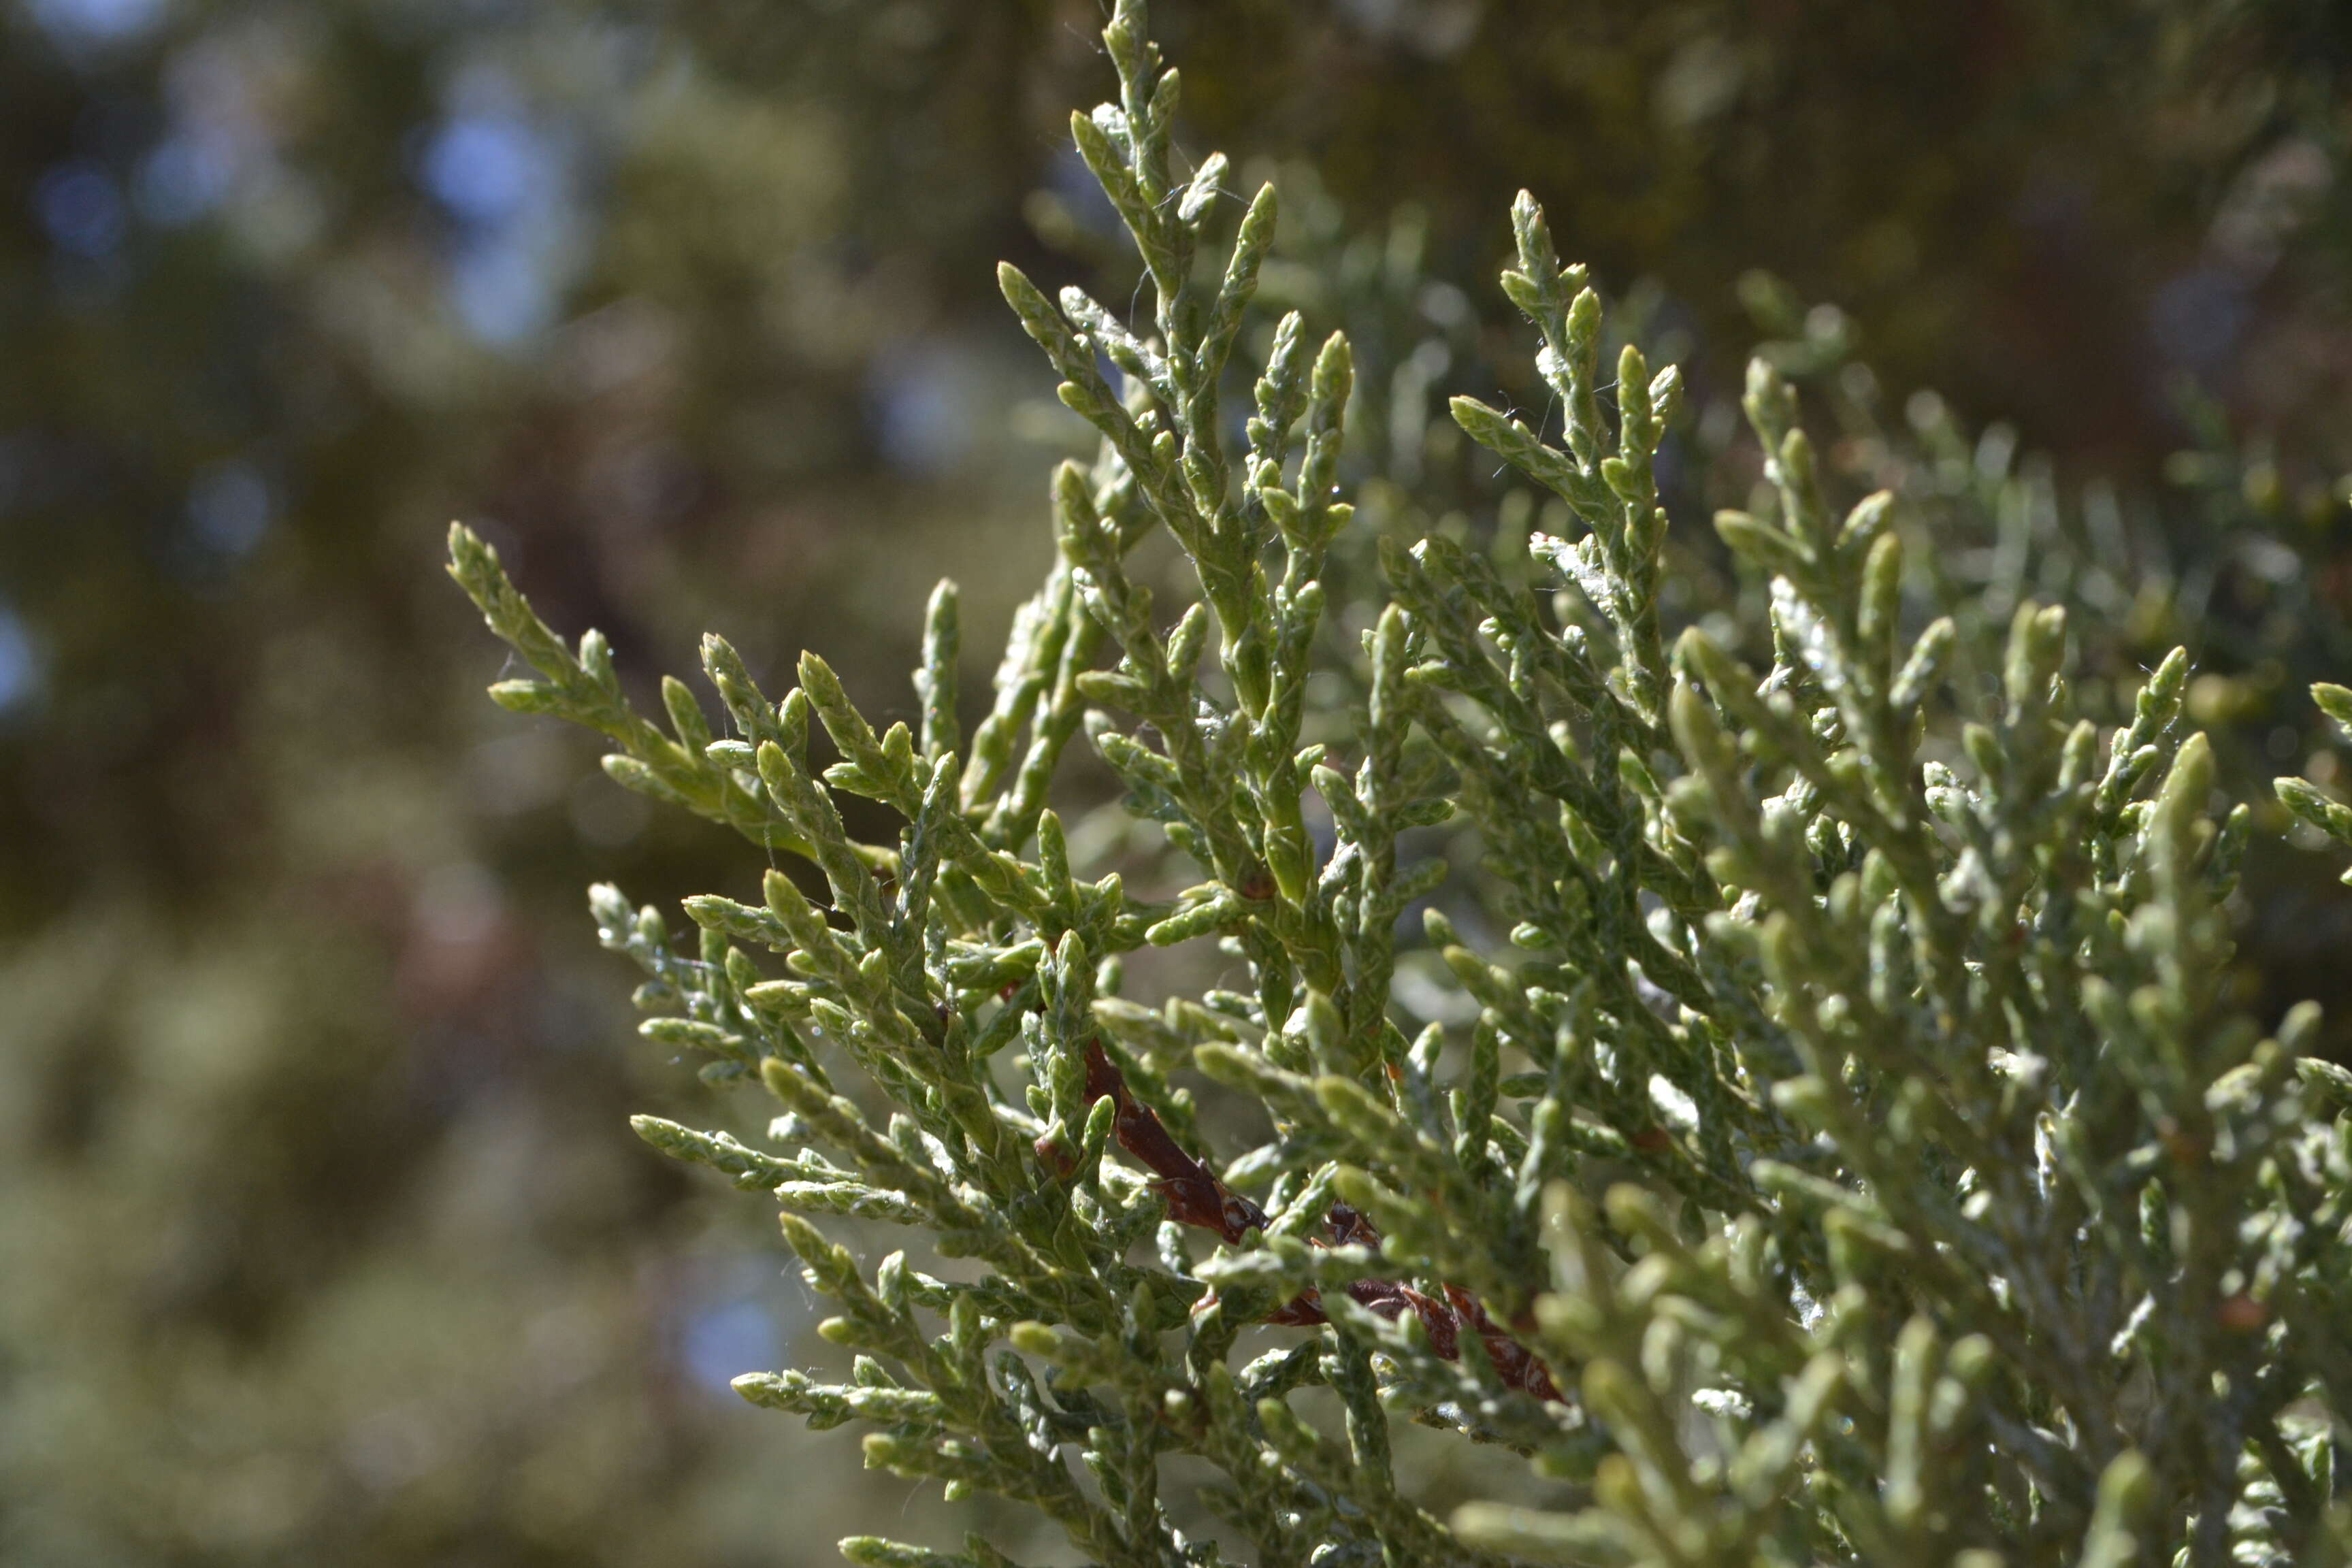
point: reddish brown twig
(1196, 1197)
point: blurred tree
(328, 1246)
(324, 1250)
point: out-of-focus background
(322, 1238)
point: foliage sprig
(1856, 1155)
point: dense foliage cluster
(1858, 1155)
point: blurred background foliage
(322, 1238)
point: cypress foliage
(1857, 1156)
